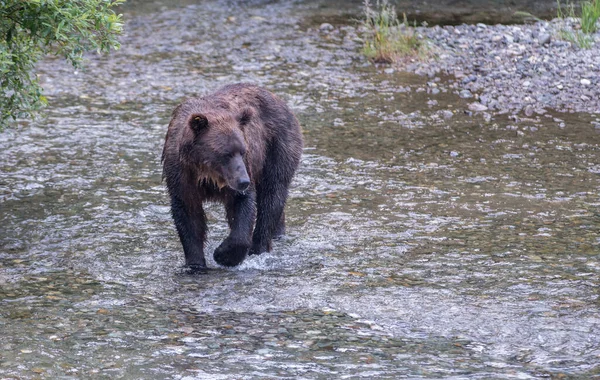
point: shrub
(31, 28)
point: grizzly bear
(240, 146)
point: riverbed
(424, 240)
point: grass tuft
(387, 39)
(576, 37)
(588, 22)
(590, 13)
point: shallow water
(419, 245)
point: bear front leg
(280, 228)
(191, 227)
(271, 202)
(241, 213)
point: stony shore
(513, 68)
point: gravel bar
(515, 68)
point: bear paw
(195, 269)
(257, 249)
(231, 253)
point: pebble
(544, 39)
(528, 110)
(465, 94)
(447, 114)
(477, 107)
(325, 27)
(514, 66)
(508, 39)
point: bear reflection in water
(240, 146)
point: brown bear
(240, 146)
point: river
(421, 243)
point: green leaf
(39, 27)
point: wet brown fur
(243, 118)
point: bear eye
(245, 116)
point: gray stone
(477, 107)
(447, 114)
(529, 110)
(509, 67)
(544, 39)
(465, 94)
(325, 27)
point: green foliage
(590, 13)
(31, 28)
(576, 37)
(386, 38)
(567, 11)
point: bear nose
(243, 184)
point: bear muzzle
(237, 176)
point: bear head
(215, 145)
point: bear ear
(198, 122)
(245, 116)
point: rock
(508, 38)
(529, 110)
(465, 94)
(544, 39)
(325, 27)
(477, 107)
(526, 39)
(447, 114)
(469, 79)
(506, 68)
